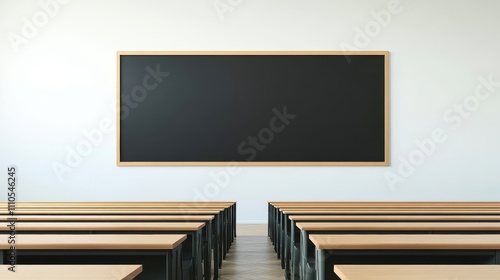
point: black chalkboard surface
(254, 108)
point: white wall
(62, 81)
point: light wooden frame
(386, 161)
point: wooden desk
(112, 212)
(229, 208)
(293, 231)
(389, 204)
(128, 203)
(329, 246)
(391, 218)
(109, 218)
(417, 272)
(399, 226)
(206, 235)
(224, 225)
(71, 272)
(92, 247)
(274, 206)
(111, 226)
(281, 218)
(192, 230)
(374, 227)
(95, 242)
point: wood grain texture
(95, 241)
(437, 226)
(83, 218)
(251, 257)
(71, 272)
(252, 52)
(406, 241)
(449, 218)
(418, 272)
(110, 212)
(109, 226)
(138, 204)
(412, 204)
(368, 211)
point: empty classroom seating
(288, 220)
(215, 222)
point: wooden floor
(251, 256)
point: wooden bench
(102, 249)
(417, 272)
(329, 247)
(192, 230)
(71, 272)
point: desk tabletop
(333, 218)
(101, 226)
(382, 211)
(473, 226)
(81, 218)
(417, 272)
(406, 241)
(115, 203)
(94, 241)
(70, 272)
(423, 204)
(111, 212)
(123, 207)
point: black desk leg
(224, 235)
(174, 263)
(293, 265)
(219, 239)
(207, 253)
(278, 236)
(282, 239)
(324, 266)
(234, 217)
(285, 260)
(197, 254)
(276, 232)
(304, 238)
(269, 220)
(215, 245)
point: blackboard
(253, 108)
